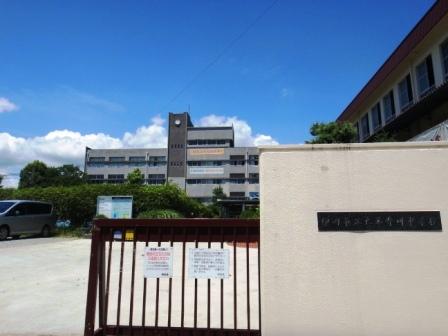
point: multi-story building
(409, 93)
(198, 159)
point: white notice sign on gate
(158, 262)
(205, 263)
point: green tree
(214, 208)
(136, 177)
(332, 132)
(1, 180)
(218, 193)
(36, 174)
(68, 175)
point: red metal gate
(130, 304)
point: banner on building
(206, 170)
(205, 151)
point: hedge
(78, 203)
(160, 214)
(251, 213)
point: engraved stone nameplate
(380, 221)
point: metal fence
(130, 304)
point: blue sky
(111, 67)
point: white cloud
(10, 181)
(154, 135)
(7, 105)
(65, 146)
(243, 132)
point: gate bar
(198, 231)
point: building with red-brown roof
(409, 92)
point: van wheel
(46, 231)
(4, 232)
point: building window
(425, 76)
(205, 163)
(116, 159)
(444, 51)
(155, 161)
(210, 142)
(137, 161)
(97, 159)
(95, 178)
(405, 92)
(389, 106)
(376, 117)
(253, 160)
(156, 176)
(115, 178)
(254, 178)
(237, 194)
(237, 178)
(365, 128)
(156, 179)
(205, 181)
(237, 160)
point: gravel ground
(44, 287)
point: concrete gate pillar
(353, 282)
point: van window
(39, 209)
(22, 208)
(5, 206)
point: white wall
(351, 283)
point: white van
(25, 217)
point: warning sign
(158, 262)
(205, 263)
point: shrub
(251, 213)
(160, 214)
(78, 203)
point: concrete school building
(198, 159)
(354, 239)
(408, 95)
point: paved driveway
(43, 288)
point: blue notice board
(114, 207)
